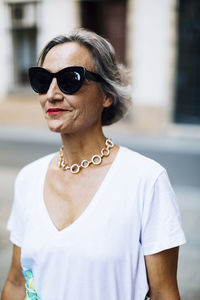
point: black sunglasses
(69, 79)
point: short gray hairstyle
(115, 75)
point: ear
(107, 101)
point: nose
(54, 93)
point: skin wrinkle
(81, 109)
(83, 120)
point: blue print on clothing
(30, 286)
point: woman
(94, 221)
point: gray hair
(115, 75)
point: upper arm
(162, 274)
(15, 284)
(15, 275)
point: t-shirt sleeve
(161, 221)
(15, 223)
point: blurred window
(24, 46)
(23, 28)
(187, 108)
(107, 18)
(17, 12)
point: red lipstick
(55, 111)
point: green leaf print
(30, 286)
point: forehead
(68, 54)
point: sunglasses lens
(40, 80)
(70, 81)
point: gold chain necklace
(95, 160)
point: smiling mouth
(54, 111)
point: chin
(55, 126)
(59, 127)
(55, 129)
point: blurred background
(159, 41)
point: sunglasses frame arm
(94, 76)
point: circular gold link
(96, 159)
(63, 164)
(109, 143)
(85, 163)
(105, 152)
(67, 168)
(75, 168)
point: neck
(78, 147)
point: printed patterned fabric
(30, 286)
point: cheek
(92, 101)
(41, 100)
(91, 106)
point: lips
(53, 111)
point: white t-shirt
(101, 255)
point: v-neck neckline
(89, 207)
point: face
(82, 110)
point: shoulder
(139, 161)
(138, 165)
(33, 169)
